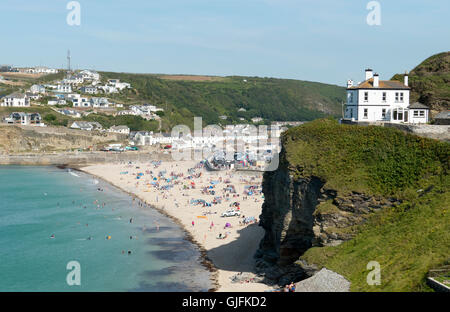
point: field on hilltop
(185, 96)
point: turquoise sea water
(37, 202)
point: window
(383, 113)
(422, 113)
(350, 97)
(416, 113)
(366, 113)
(401, 96)
(366, 96)
(384, 96)
(396, 96)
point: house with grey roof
(15, 100)
(119, 129)
(443, 118)
(418, 113)
(86, 125)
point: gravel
(324, 281)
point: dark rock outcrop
(299, 212)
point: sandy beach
(196, 198)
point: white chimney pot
(376, 81)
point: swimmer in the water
(52, 236)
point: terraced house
(375, 100)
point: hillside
(430, 82)
(346, 195)
(184, 97)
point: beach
(196, 198)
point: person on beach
(193, 223)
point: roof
(418, 105)
(443, 115)
(16, 95)
(119, 128)
(383, 84)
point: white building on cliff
(375, 100)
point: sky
(327, 41)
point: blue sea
(38, 203)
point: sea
(66, 231)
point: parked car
(231, 213)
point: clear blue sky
(317, 40)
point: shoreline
(220, 263)
(205, 261)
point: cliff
(334, 183)
(25, 139)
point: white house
(16, 100)
(44, 70)
(81, 102)
(37, 89)
(90, 75)
(86, 125)
(24, 118)
(89, 89)
(375, 100)
(64, 88)
(99, 102)
(119, 129)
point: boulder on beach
(324, 281)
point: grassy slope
(406, 240)
(430, 82)
(272, 99)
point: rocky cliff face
(299, 213)
(15, 139)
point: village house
(70, 113)
(81, 102)
(101, 102)
(64, 88)
(15, 100)
(56, 101)
(88, 89)
(33, 96)
(37, 88)
(443, 118)
(256, 119)
(43, 70)
(24, 118)
(375, 100)
(119, 129)
(73, 80)
(90, 75)
(86, 125)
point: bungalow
(16, 100)
(90, 75)
(88, 89)
(419, 113)
(256, 119)
(37, 88)
(81, 102)
(86, 125)
(101, 102)
(443, 118)
(57, 101)
(32, 96)
(70, 113)
(64, 88)
(119, 129)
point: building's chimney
(369, 73)
(349, 83)
(376, 81)
(406, 79)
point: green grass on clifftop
(407, 240)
